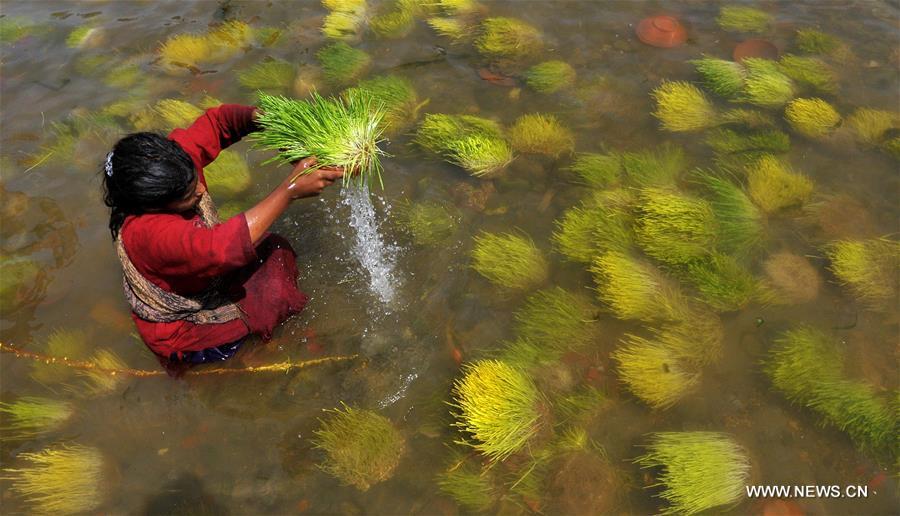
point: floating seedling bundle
(343, 132)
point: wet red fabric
(179, 254)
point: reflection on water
(413, 308)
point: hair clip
(108, 165)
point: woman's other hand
(302, 183)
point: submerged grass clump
(97, 381)
(700, 470)
(174, 113)
(653, 372)
(812, 41)
(658, 167)
(722, 282)
(766, 85)
(735, 18)
(429, 223)
(468, 484)
(59, 480)
(14, 28)
(741, 226)
(271, 76)
(339, 132)
(343, 64)
(503, 37)
(729, 141)
(31, 416)
(473, 143)
(541, 134)
(724, 78)
(17, 275)
(454, 29)
(228, 174)
(394, 24)
(345, 20)
(60, 343)
(184, 52)
(496, 404)
(509, 260)
(869, 268)
(870, 125)
(558, 318)
(634, 289)
(398, 97)
(597, 170)
(673, 227)
(773, 185)
(361, 447)
(596, 226)
(811, 72)
(550, 76)
(807, 366)
(812, 117)
(682, 107)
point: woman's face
(189, 201)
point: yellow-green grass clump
(792, 278)
(869, 268)
(682, 107)
(810, 72)
(394, 24)
(558, 318)
(653, 372)
(174, 113)
(722, 282)
(18, 276)
(14, 28)
(467, 483)
(774, 186)
(597, 225)
(345, 20)
(509, 260)
(766, 85)
(541, 134)
(59, 480)
(104, 378)
(697, 340)
(658, 167)
(892, 147)
(870, 125)
(473, 143)
(498, 406)
(700, 470)
(741, 226)
(503, 37)
(812, 117)
(550, 76)
(729, 141)
(84, 37)
(453, 29)
(31, 416)
(61, 343)
(724, 78)
(123, 77)
(458, 7)
(735, 18)
(634, 289)
(184, 52)
(271, 76)
(399, 98)
(807, 366)
(597, 170)
(343, 64)
(361, 448)
(429, 223)
(812, 41)
(228, 174)
(749, 118)
(672, 227)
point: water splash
(376, 257)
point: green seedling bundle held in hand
(342, 132)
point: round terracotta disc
(661, 31)
(755, 48)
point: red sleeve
(216, 129)
(171, 245)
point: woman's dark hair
(145, 172)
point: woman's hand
(301, 183)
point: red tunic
(179, 254)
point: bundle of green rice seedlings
(766, 85)
(467, 482)
(598, 225)
(810, 72)
(343, 64)
(749, 118)
(18, 276)
(271, 76)
(473, 143)
(653, 372)
(345, 19)
(672, 227)
(101, 380)
(812, 117)
(60, 343)
(658, 167)
(503, 37)
(541, 134)
(397, 95)
(869, 268)
(774, 186)
(228, 174)
(807, 366)
(31, 416)
(509, 260)
(124, 76)
(734, 18)
(597, 170)
(429, 223)
(729, 141)
(14, 28)
(396, 23)
(59, 480)
(700, 470)
(187, 52)
(174, 113)
(85, 37)
(361, 448)
(724, 78)
(556, 317)
(812, 41)
(339, 132)
(458, 7)
(550, 76)
(498, 407)
(741, 226)
(634, 289)
(870, 125)
(682, 107)
(722, 282)
(454, 29)
(697, 340)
